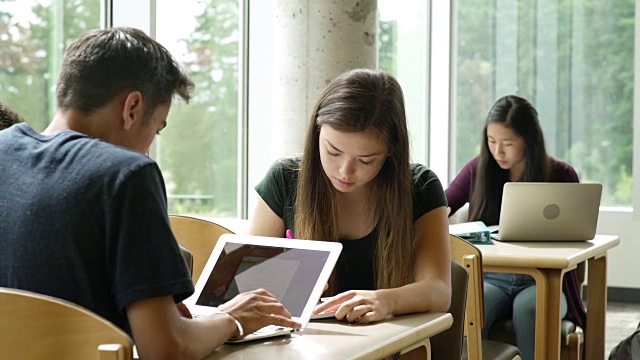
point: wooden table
(331, 339)
(547, 262)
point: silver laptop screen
(289, 274)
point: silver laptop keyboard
(262, 331)
(270, 329)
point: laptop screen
(289, 274)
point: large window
(198, 151)
(402, 51)
(573, 59)
(33, 36)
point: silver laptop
(549, 211)
(294, 271)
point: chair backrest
(188, 258)
(471, 259)
(199, 236)
(34, 326)
(461, 215)
(448, 344)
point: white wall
(622, 260)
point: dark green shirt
(356, 265)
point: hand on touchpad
(328, 313)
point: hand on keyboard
(257, 309)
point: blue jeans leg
(524, 320)
(497, 305)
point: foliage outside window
(402, 52)
(33, 36)
(198, 150)
(573, 59)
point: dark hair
(102, 64)
(362, 100)
(8, 117)
(518, 115)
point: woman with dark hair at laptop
(355, 184)
(512, 150)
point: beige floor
(622, 320)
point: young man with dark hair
(84, 210)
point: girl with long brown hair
(354, 183)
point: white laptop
(549, 211)
(294, 271)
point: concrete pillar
(315, 41)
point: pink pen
(289, 234)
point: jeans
(514, 296)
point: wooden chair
(448, 344)
(198, 236)
(188, 258)
(475, 347)
(572, 336)
(34, 326)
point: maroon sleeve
(458, 192)
(562, 171)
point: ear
(133, 109)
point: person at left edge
(84, 210)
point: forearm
(421, 296)
(202, 336)
(161, 333)
(264, 222)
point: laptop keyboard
(270, 329)
(262, 331)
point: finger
(357, 312)
(366, 318)
(262, 292)
(275, 309)
(369, 317)
(347, 307)
(343, 310)
(333, 304)
(258, 322)
(318, 309)
(283, 321)
(336, 300)
(259, 296)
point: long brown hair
(518, 115)
(362, 100)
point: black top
(356, 266)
